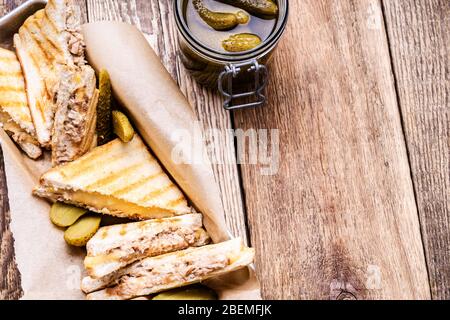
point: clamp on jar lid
(260, 82)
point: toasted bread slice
(114, 247)
(13, 97)
(168, 271)
(15, 116)
(26, 142)
(40, 72)
(118, 178)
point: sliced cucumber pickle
(64, 215)
(188, 293)
(81, 231)
(122, 126)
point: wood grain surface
(9, 274)
(340, 218)
(419, 36)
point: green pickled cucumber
(64, 215)
(81, 231)
(189, 293)
(241, 42)
(220, 20)
(265, 9)
(104, 126)
(122, 126)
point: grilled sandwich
(60, 85)
(117, 178)
(114, 247)
(15, 115)
(168, 271)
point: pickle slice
(241, 42)
(63, 215)
(189, 293)
(81, 231)
(122, 126)
(220, 21)
(104, 108)
(265, 9)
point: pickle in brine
(188, 293)
(265, 9)
(104, 108)
(64, 215)
(122, 126)
(220, 20)
(241, 42)
(81, 231)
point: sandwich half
(60, 85)
(168, 271)
(15, 117)
(40, 74)
(119, 179)
(114, 247)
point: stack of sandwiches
(53, 97)
(169, 248)
(48, 100)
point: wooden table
(359, 93)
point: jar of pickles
(226, 44)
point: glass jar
(232, 71)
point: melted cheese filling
(108, 204)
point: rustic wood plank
(155, 19)
(10, 286)
(339, 218)
(419, 37)
(10, 283)
(8, 5)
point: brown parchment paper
(49, 268)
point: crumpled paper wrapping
(49, 268)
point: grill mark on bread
(113, 177)
(11, 89)
(87, 163)
(13, 104)
(39, 100)
(39, 105)
(38, 47)
(52, 24)
(10, 73)
(157, 193)
(32, 54)
(136, 184)
(51, 4)
(37, 23)
(7, 59)
(176, 202)
(47, 37)
(86, 166)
